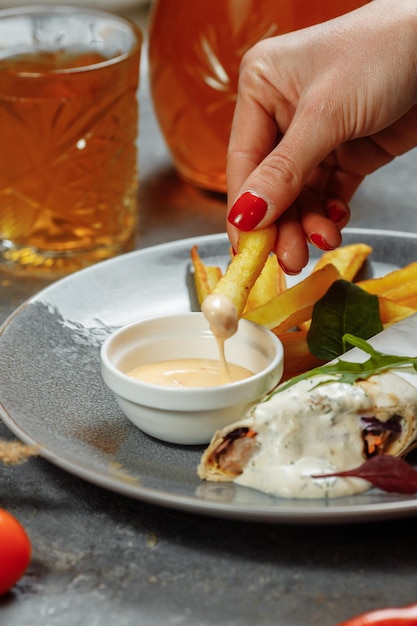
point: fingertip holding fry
(248, 211)
(230, 295)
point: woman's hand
(317, 110)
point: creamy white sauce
(308, 430)
(222, 317)
(188, 373)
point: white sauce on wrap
(304, 431)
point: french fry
(392, 312)
(206, 277)
(270, 283)
(410, 301)
(347, 259)
(297, 356)
(295, 305)
(383, 285)
(246, 265)
(402, 292)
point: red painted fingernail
(248, 210)
(320, 242)
(284, 269)
(335, 212)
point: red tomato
(15, 551)
(405, 616)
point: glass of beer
(68, 131)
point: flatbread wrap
(320, 425)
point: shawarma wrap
(321, 425)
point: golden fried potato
(410, 301)
(347, 259)
(270, 283)
(402, 292)
(206, 277)
(392, 312)
(383, 285)
(295, 305)
(246, 266)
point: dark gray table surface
(103, 559)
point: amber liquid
(194, 54)
(68, 159)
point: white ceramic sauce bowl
(188, 415)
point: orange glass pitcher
(195, 49)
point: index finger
(253, 136)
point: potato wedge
(295, 305)
(347, 259)
(392, 312)
(254, 248)
(402, 292)
(270, 283)
(410, 301)
(206, 277)
(383, 285)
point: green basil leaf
(344, 308)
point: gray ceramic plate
(52, 394)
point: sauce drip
(188, 373)
(221, 315)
